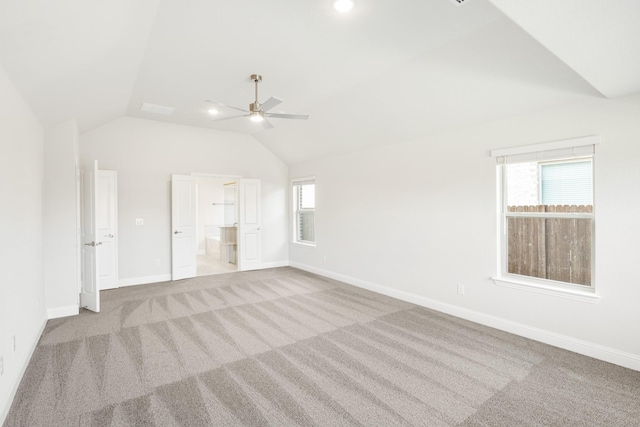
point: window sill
(310, 245)
(531, 286)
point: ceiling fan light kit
(343, 6)
(259, 112)
(256, 116)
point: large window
(547, 213)
(304, 206)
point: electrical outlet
(460, 289)
(324, 258)
(158, 262)
(139, 221)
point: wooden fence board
(550, 248)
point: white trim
(303, 243)
(302, 180)
(554, 145)
(144, 280)
(556, 291)
(597, 351)
(13, 388)
(563, 215)
(57, 312)
(274, 264)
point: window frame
(586, 293)
(296, 183)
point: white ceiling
(599, 39)
(387, 72)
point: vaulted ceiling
(387, 72)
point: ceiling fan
(259, 112)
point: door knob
(108, 235)
(177, 232)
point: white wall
(22, 312)
(445, 188)
(61, 278)
(145, 153)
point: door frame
(237, 178)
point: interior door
(183, 227)
(106, 222)
(90, 293)
(249, 223)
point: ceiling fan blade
(270, 103)
(266, 124)
(226, 106)
(227, 118)
(288, 116)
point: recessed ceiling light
(343, 6)
(212, 111)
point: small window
(547, 214)
(304, 206)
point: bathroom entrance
(234, 234)
(217, 225)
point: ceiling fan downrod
(255, 106)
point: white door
(249, 223)
(183, 227)
(90, 293)
(106, 222)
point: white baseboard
(6, 403)
(56, 312)
(144, 280)
(275, 264)
(597, 351)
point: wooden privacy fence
(550, 248)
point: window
(547, 213)
(304, 206)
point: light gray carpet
(284, 347)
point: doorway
(245, 250)
(217, 225)
(99, 241)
